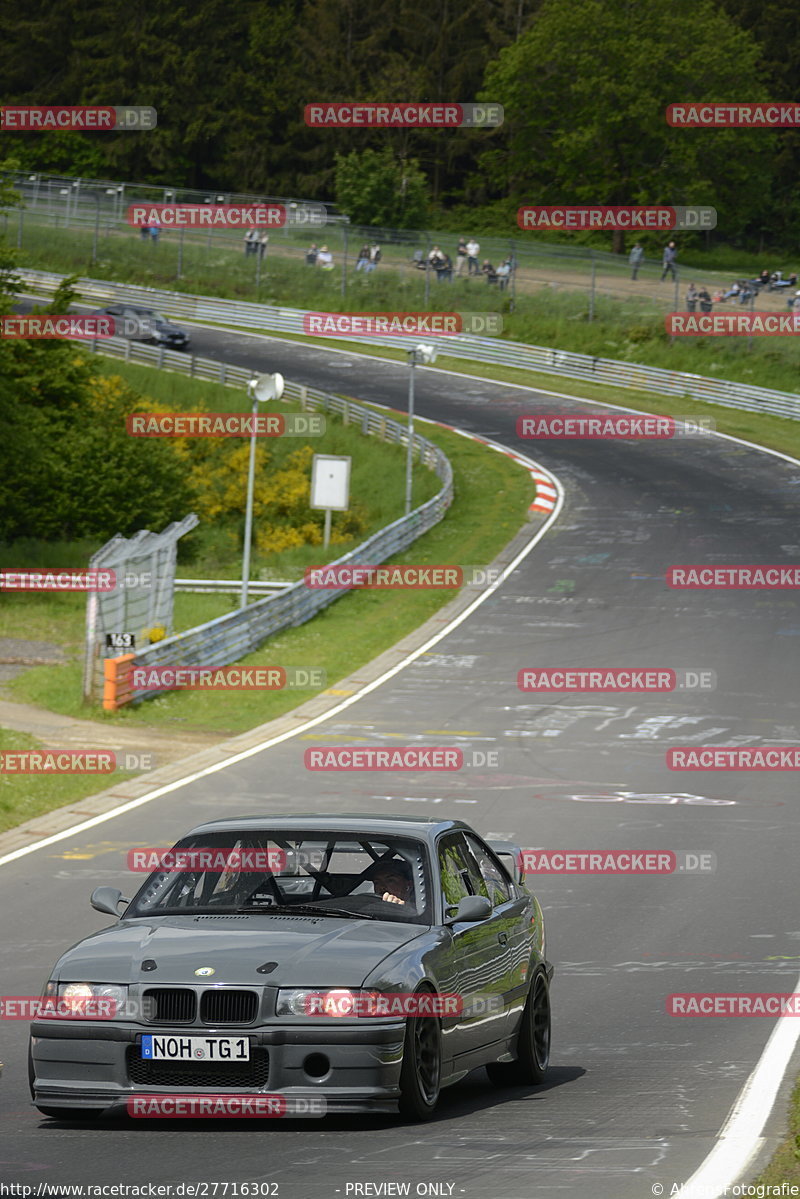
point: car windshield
(338, 874)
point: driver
(391, 880)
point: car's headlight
(306, 1001)
(83, 1001)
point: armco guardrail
(228, 638)
(478, 349)
(229, 586)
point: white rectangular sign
(330, 482)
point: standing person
(155, 229)
(692, 296)
(635, 259)
(436, 260)
(504, 273)
(473, 250)
(144, 232)
(363, 258)
(374, 257)
(705, 299)
(250, 238)
(261, 244)
(461, 255)
(311, 254)
(668, 261)
(488, 270)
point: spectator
(436, 260)
(488, 270)
(155, 230)
(311, 254)
(250, 238)
(363, 258)
(444, 272)
(504, 273)
(144, 232)
(374, 257)
(635, 259)
(777, 281)
(732, 291)
(794, 301)
(763, 279)
(461, 256)
(691, 298)
(473, 250)
(705, 299)
(324, 259)
(668, 261)
(261, 244)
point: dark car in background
(154, 327)
(226, 976)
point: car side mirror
(107, 899)
(471, 909)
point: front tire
(421, 1072)
(533, 1045)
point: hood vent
(221, 917)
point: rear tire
(421, 1072)
(533, 1044)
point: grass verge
(25, 796)
(785, 1164)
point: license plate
(195, 1049)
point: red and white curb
(546, 490)
(546, 494)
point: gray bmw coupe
(367, 960)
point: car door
(479, 957)
(511, 912)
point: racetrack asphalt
(636, 1096)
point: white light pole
(261, 388)
(419, 356)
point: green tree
(374, 188)
(775, 27)
(585, 91)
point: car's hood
(309, 951)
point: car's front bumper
(99, 1065)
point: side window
(454, 870)
(497, 885)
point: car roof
(374, 824)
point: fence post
(427, 271)
(591, 294)
(344, 264)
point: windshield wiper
(307, 909)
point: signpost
(330, 486)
